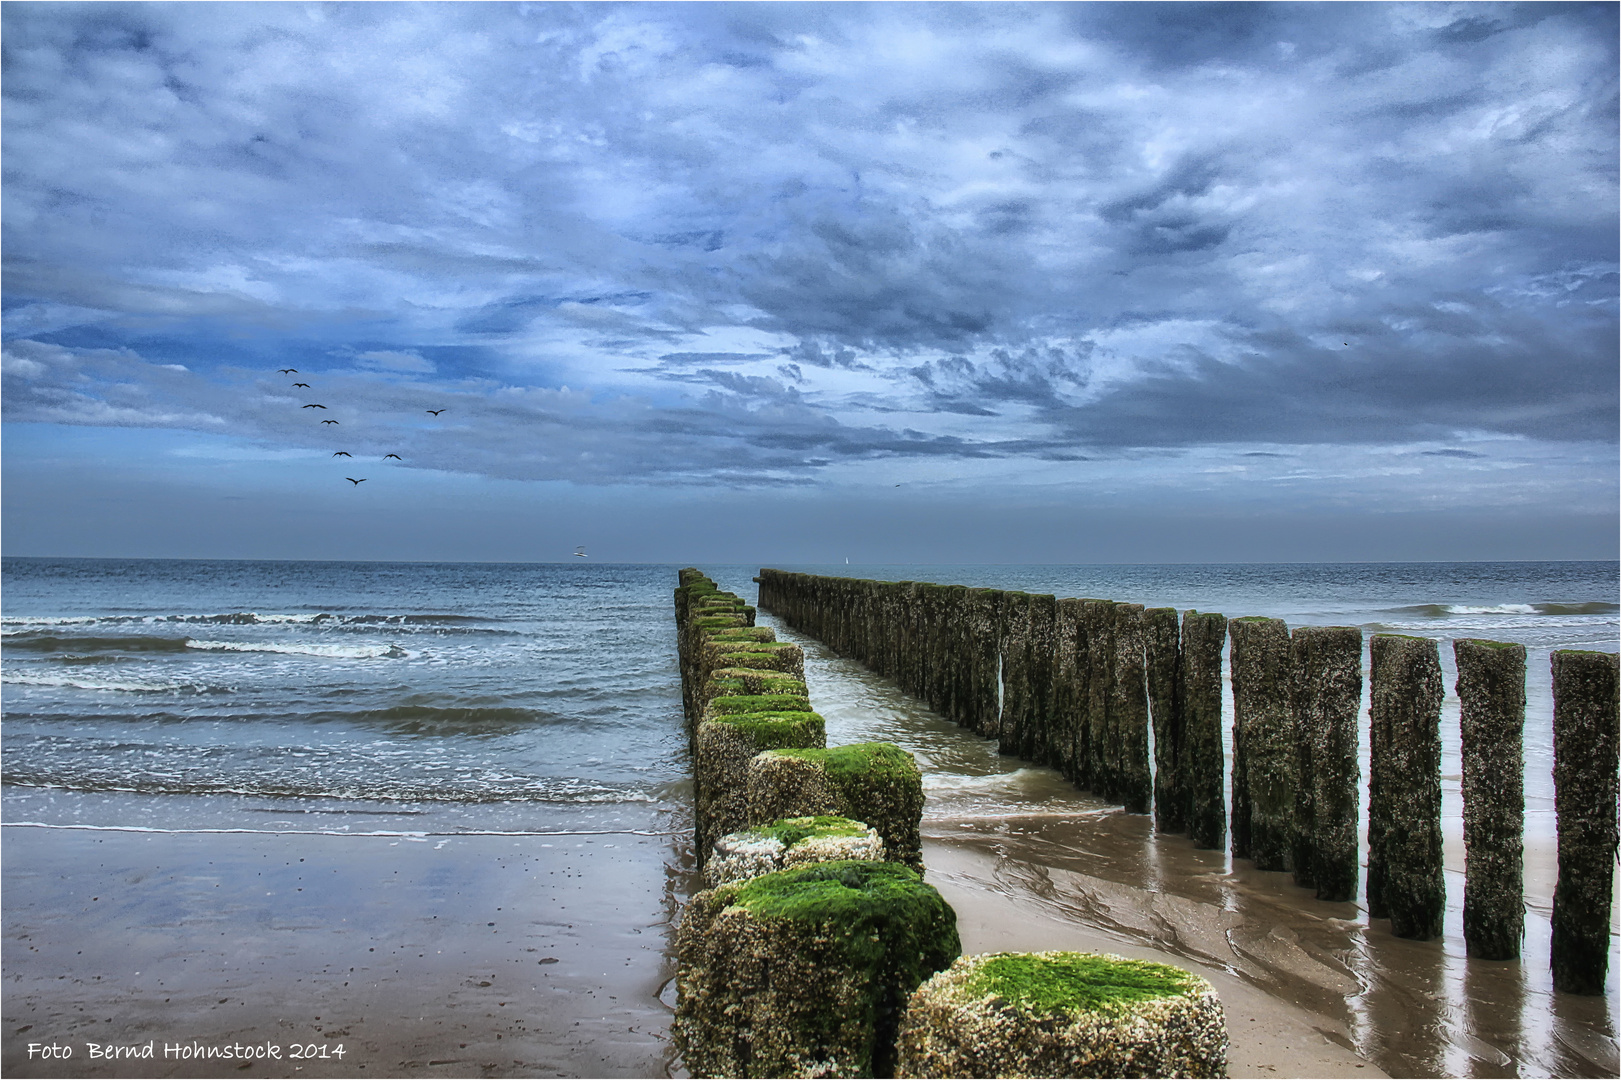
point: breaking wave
(1442, 611)
(113, 685)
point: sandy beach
(450, 956)
(546, 956)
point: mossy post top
(729, 704)
(1066, 983)
(860, 759)
(770, 728)
(852, 899)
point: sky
(805, 282)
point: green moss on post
(745, 633)
(1063, 1014)
(1162, 657)
(1585, 782)
(725, 745)
(1491, 720)
(731, 704)
(1326, 699)
(1203, 764)
(760, 681)
(878, 783)
(1405, 878)
(806, 972)
(1263, 813)
(762, 655)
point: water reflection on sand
(1411, 1008)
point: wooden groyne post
(1584, 780)
(1325, 695)
(1162, 655)
(1203, 764)
(1491, 718)
(1405, 881)
(1263, 744)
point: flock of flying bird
(342, 453)
(579, 552)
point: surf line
(335, 832)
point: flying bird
(315, 406)
(289, 371)
(579, 552)
(329, 421)
(436, 412)
(305, 385)
(396, 457)
(342, 453)
(355, 482)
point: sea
(435, 698)
(424, 700)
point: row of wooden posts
(1076, 684)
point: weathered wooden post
(1129, 710)
(1163, 659)
(984, 610)
(1037, 741)
(1203, 775)
(956, 656)
(1326, 696)
(1491, 719)
(1097, 620)
(1263, 813)
(1015, 657)
(1585, 780)
(1405, 879)
(1067, 689)
(806, 972)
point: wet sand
(449, 956)
(1311, 989)
(1270, 1037)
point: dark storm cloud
(712, 241)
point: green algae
(732, 704)
(778, 728)
(757, 681)
(757, 661)
(882, 914)
(854, 762)
(878, 783)
(769, 648)
(745, 633)
(1076, 982)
